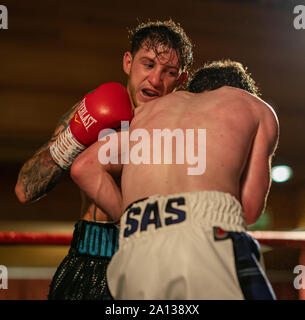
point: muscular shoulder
(236, 94)
(246, 99)
(269, 125)
(265, 115)
(177, 96)
(167, 102)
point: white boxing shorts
(186, 246)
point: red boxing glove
(105, 107)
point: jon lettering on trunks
(98, 241)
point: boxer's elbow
(254, 197)
(254, 203)
(20, 194)
(77, 169)
(252, 210)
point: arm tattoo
(40, 174)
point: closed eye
(173, 73)
(148, 65)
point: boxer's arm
(100, 182)
(40, 173)
(104, 107)
(256, 178)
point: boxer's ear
(182, 78)
(127, 60)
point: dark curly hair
(166, 33)
(217, 74)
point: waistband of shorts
(133, 203)
(205, 208)
(95, 239)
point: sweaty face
(151, 75)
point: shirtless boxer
(183, 236)
(156, 64)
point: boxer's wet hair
(167, 34)
(217, 74)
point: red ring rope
(293, 239)
(12, 237)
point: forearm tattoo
(40, 174)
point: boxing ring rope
(35, 238)
(293, 239)
(273, 239)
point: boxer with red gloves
(156, 64)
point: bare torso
(231, 118)
(90, 212)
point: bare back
(232, 119)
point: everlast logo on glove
(85, 116)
